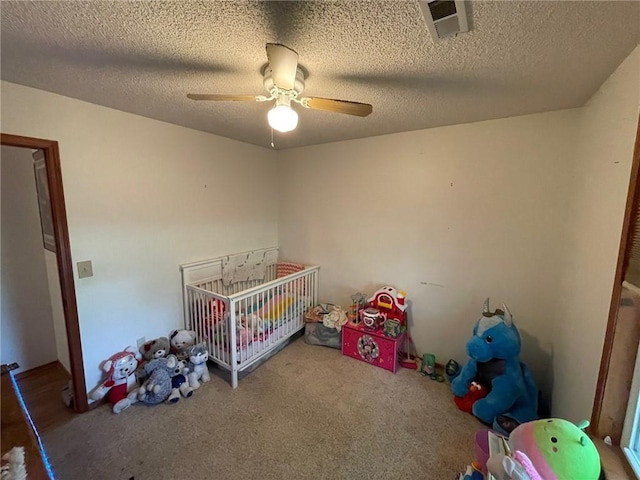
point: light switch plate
(85, 269)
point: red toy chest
(371, 346)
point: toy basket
(314, 316)
(316, 333)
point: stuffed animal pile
(494, 363)
(162, 370)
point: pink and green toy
(549, 449)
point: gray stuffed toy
(157, 388)
(157, 348)
(198, 366)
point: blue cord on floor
(43, 454)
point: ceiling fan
(284, 80)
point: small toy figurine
(452, 369)
(429, 367)
(428, 364)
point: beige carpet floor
(307, 413)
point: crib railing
(241, 327)
(217, 285)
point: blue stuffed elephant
(494, 362)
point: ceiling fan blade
(337, 106)
(284, 65)
(227, 98)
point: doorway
(50, 154)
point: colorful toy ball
(549, 449)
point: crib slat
(242, 303)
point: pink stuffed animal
(121, 379)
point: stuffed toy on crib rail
(494, 363)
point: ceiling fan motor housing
(274, 90)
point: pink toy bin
(482, 449)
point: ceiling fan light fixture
(282, 117)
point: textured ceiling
(143, 57)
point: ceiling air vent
(444, 18)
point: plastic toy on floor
(471, 473)
(494, 363)
(428, 368)
(451, 369)
(548, 449)
(409, 358)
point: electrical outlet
(141, 341)
(85, 269)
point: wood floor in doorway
(42, 392)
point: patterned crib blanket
(244, 267)
(255, 324)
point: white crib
(265, 311)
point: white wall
(57, 311)
(27, 323)
(451, 215)
(526, 210)
(142, 197)
(607, 134)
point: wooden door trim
(628, 225)
(63, 255)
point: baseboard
(97, 403)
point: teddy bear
(198, 365)
(156, 348)
(157, 388)
(180, 382)
(121, 379)
(181, 342)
